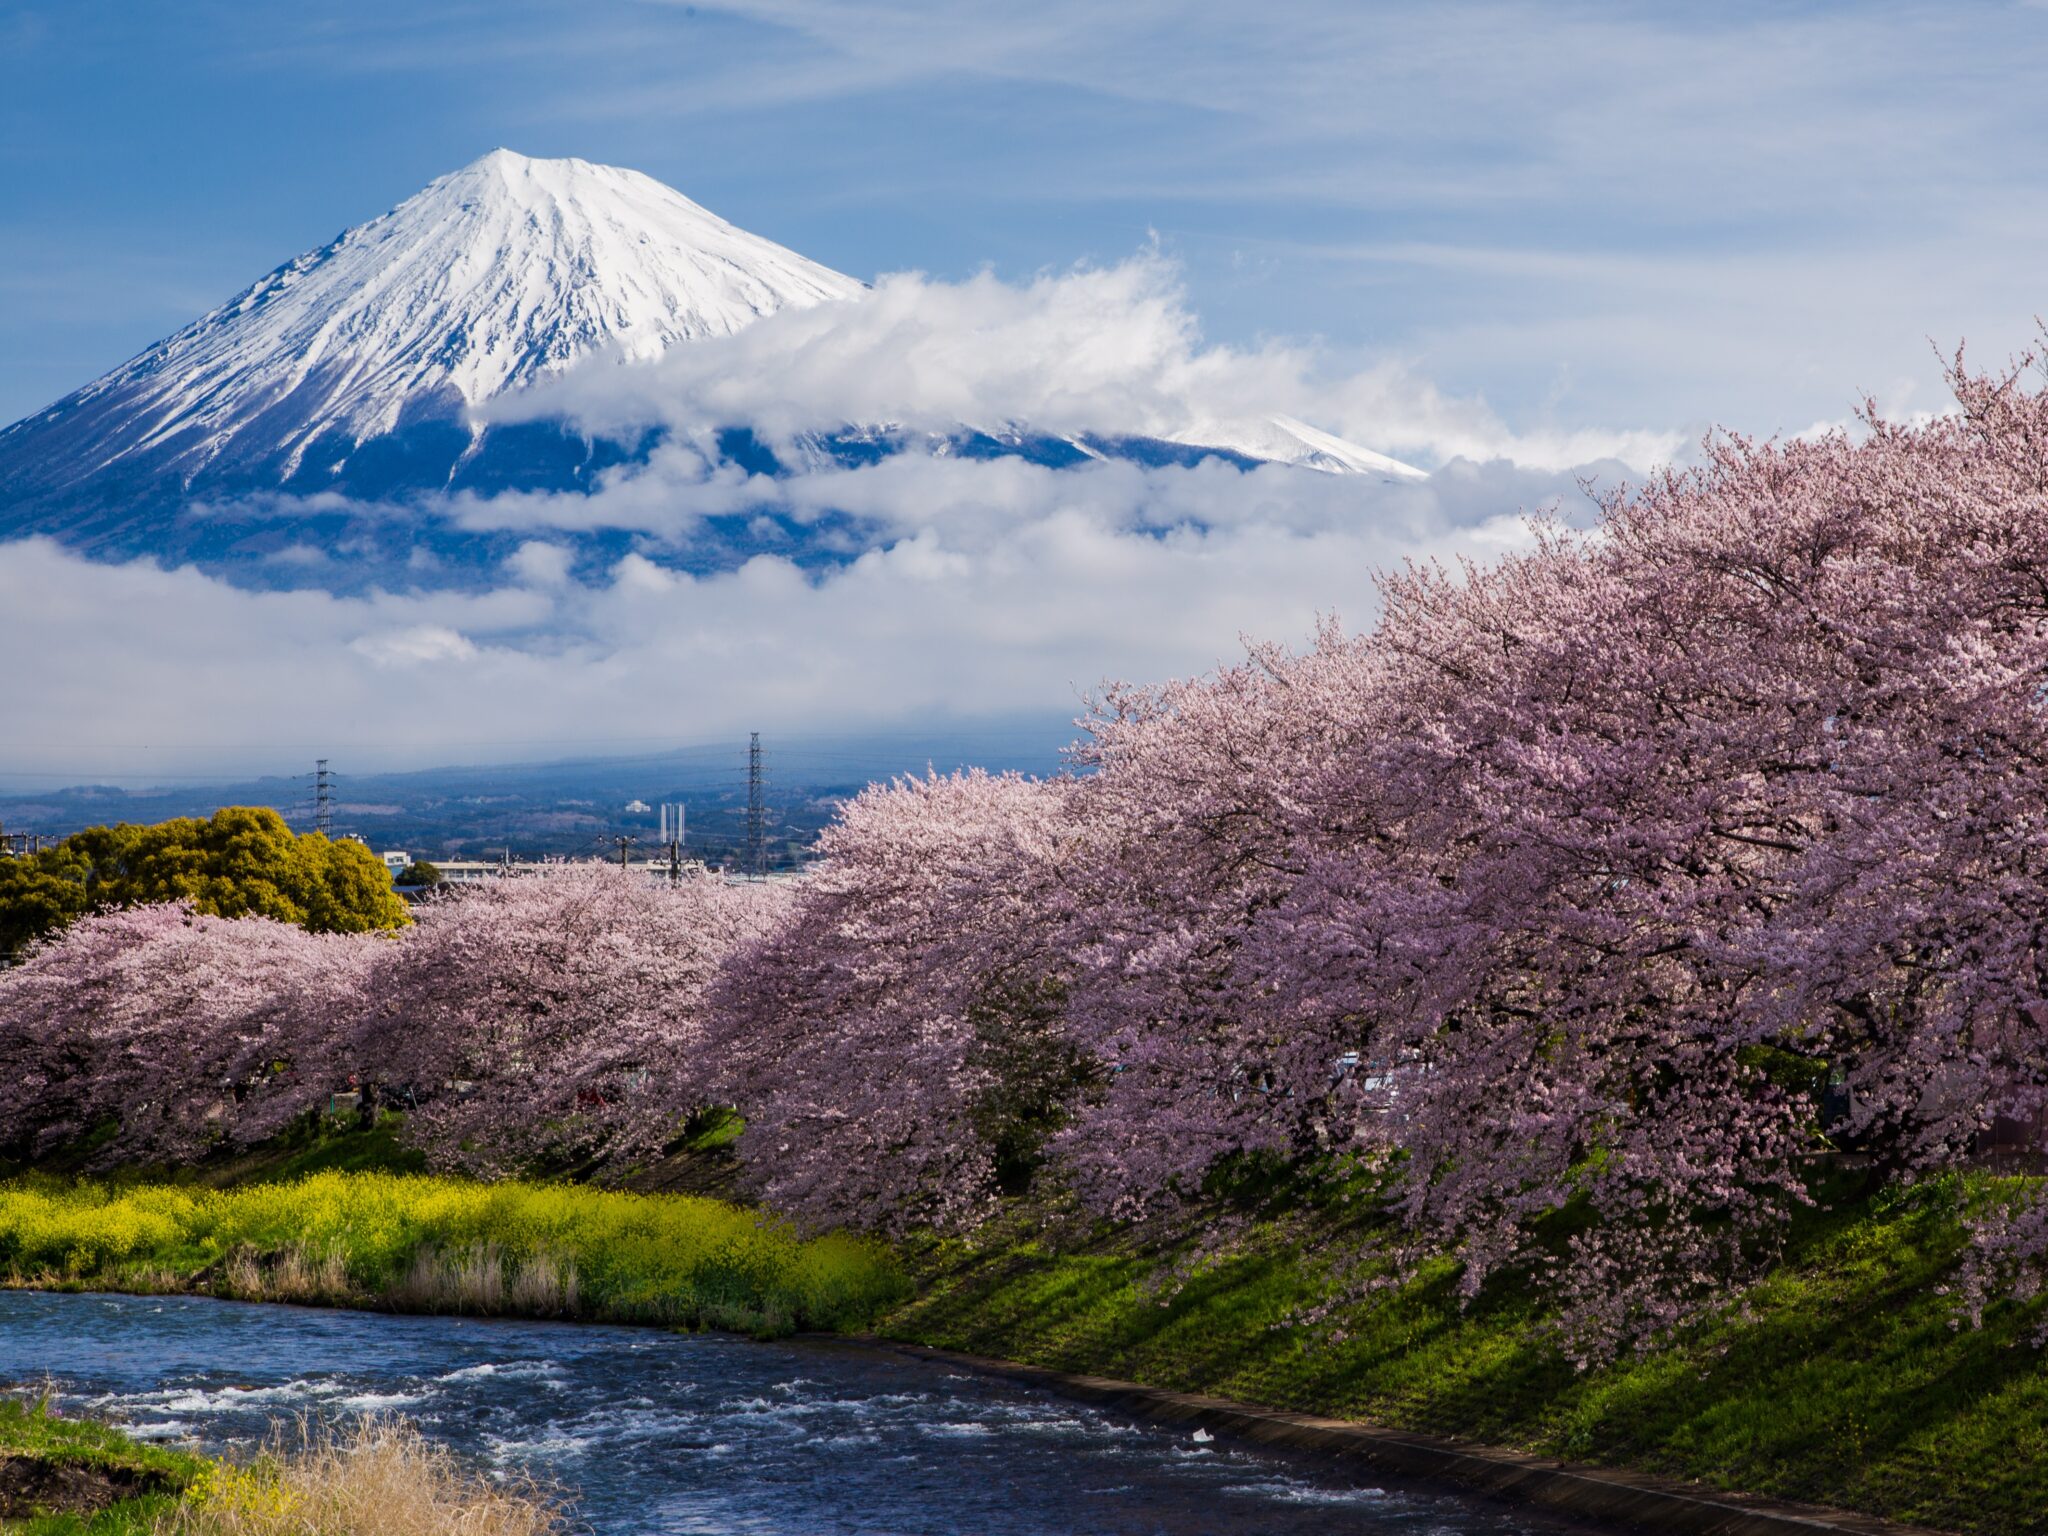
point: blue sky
(1605, 216)
(1522, 245)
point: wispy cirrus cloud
(1600, 216)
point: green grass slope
(1844, 1381)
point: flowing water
(668, 1433)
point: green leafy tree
(243, 861)
(37, 895)
(420, 872)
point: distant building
(470, 871)
(637, 807)
(658, 870)
(474, 871)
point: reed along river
(670, 1433)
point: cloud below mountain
(144, 671)
(691, 593)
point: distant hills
(575, 807)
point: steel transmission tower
(323, 797)
(756, 812)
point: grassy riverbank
(77, 1477)
(1847, 1384)
(69, 1477)
(420, 1244)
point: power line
(323, 797)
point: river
(670, 1433)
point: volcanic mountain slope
(354, 373)
(324, 374)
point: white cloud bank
(961, 587)
(1110, 350)
(139, 671)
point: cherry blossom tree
(1571, 910)
(893, 1043)
(1603, 860)
(555, 1016)
(175, 1031)
(1573, 885)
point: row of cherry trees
(1585, 897)
(529, 1022)
(1578, 885)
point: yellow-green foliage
(242, 862)
(256, 1494)
(435, 1243)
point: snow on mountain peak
(358, 368)
(485, 279)
(1283, 440)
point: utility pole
(672, 839)
(756, 811)
(323, 797)
(624, 843)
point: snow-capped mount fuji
(508, 269)
(360, 372)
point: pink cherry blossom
(554, 1017)
(176, 1031)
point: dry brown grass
(293, 1274)
(545, 1286)
(478, 1279)
(380, 1478)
